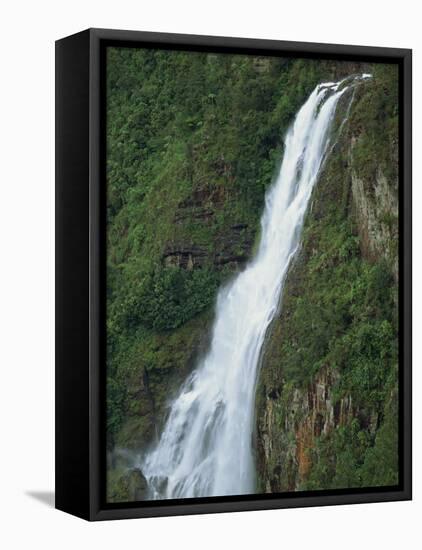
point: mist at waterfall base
(205, 448)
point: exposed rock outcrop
(186, 257)
(377, 213)
(290, 425)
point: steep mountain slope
(327, 396)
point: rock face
(232, 249)
(377, 213)
(186, 257)
(129, 484)
(290, 427)
(317, 426)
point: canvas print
(252, 274)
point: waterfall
(205, 448)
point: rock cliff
(326, 405)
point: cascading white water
(206, 445)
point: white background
(29, 29)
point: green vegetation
(193, 141)
(343, 315)
(339, 320)
(353, 457)
(376, 119)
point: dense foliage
(339, 312)
(193, 140)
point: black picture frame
(80, 273)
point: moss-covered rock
(126, 485)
